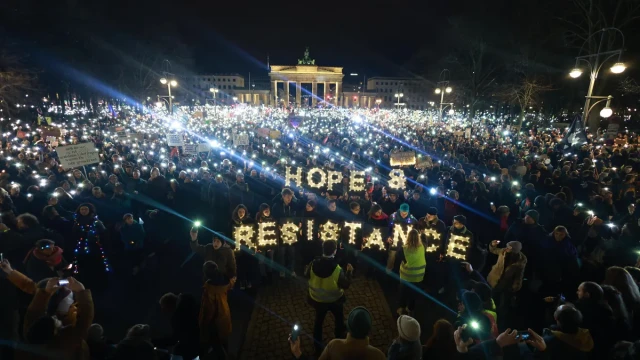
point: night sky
(70, 38)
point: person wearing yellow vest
(412, 269)
(327, 282)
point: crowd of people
(531, 241)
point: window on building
(377, 83)
(234, 80)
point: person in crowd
(99, 347)
(402, 218)
(507, 275)
(218, 253)
(412, 268)
(566, 340)
(441, 345)
(471, 312)
(215, 317)
(132, 235)
(89, 254)
(287, 207)
(327, 283)
(621, 320)
(52, 219)
(355, 346)
(183, 310)
(597, 317)
(45, 260)
(16, 243)
(407, 345)
(621, 279)
(45, 333)
(528, 232)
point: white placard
(175, 140)
(241, 140)
(204, 147)
(190, 149)
(72, 156)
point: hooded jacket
(323, 267)
(223, 257)
(507, 278)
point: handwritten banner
(72, 156)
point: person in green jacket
(412, 269)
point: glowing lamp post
(169, 83)
(398, 96)
(595, 62)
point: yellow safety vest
(413, 268)
(325, 290)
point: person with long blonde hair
(412, 269)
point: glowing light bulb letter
(433, 239)
(289, 233)
(243, 233)
(458, 246)
(356, 181)
(397, 180)
(295, 177)
(321, 182)
(267, 229)
(309, 229)
(353, 228)
(334, 177)
(399, 234)
(375, 238)
(330, 231)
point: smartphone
(295, 332)
(524, 335)
(63, 282)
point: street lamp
(595, 65)
(378, 102)
(443, 87)
(169, 84)
(398, 96)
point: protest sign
(72, 156)
(175, 140)
(263, 132)
(190, 149)
(403, 158)
(204, 147)
(241, 140)
(274, 134)
(49, 131)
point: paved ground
(280, 305)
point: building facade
(225, 85)
(416, 93)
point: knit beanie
(404, 207)
(432, 211)
(516, 246)
(408, 328)
(359, 322)
(533, 214)
(471, 301)
(461, 219)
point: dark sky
(236, 36)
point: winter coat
(215, 316)
(404, 350)
(223, 257)
(69, 342)
(279, 210)
(132, 236)
(350, 348)
(509, 278)
(563, 346)
(39, 266)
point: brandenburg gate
(306, 72)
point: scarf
(52, 260)
(504, 226)
(381, 217)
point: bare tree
(478, 71)
(525, 93)
(629, 86)
(15, 82)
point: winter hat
(404, 207)
(516, 246)
(359, 322)
(432, 211)
(533, 214)
(408, 328)
(471, 301)
(503, 209)
(461, 219)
